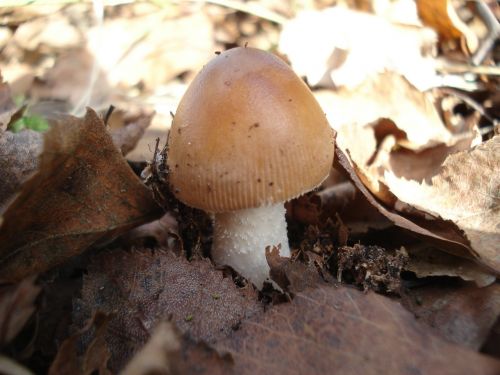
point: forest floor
(395, 257)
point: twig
(445, 67)
(493, 27)
(470, 102)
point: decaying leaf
(54, 312)
(18, 161)
(462, 314)
(153, 48)
(442, 16)
(54, 31)
(156, 356)
(335, 328)
(75, 79)
(7, 106)
(427, 261)
(83, 193)
(465, 191)
(17, 304)
(142, 287)
(351, 46)
(94, 361)
(386, 95)
(127, 130)
(291, 276)
(170, 352)
(10, 367)
(444, 234)
(398, 128)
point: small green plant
(32, 122)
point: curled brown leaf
(84, 192)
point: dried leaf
(335, 327)
(127, 134)
(83, 193)
(387, 95)
(465, 191)
(462, 314)
(424, 164)
(153, 48)
(94, 360)
(163, 232)
(18, 161)
(442, 17)
(291, 276)
(54, 313)
(75, 79)
(7, 106)
(443, 234)
(9, 367)
(142, 287)
(169, 352)
(427, 261)
(399, 127)
(351, 46)
(55, 31)
(156, 356)
(17, 304)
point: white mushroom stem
(241, 237)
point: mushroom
(247, 136)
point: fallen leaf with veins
(465, 191)
(462, 314)
(142, 287)
(83, 193)
(444, 234)
(336, 327)
(69, 361)
(19, 152)
(17, 304)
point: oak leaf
(83, 193)
(465, 191)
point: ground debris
(370, 267)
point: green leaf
(32, 122)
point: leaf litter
(142, 286)
(81, 172)
(466, 191)
(141, 57)
(333, 326)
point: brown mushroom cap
(247, 132)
